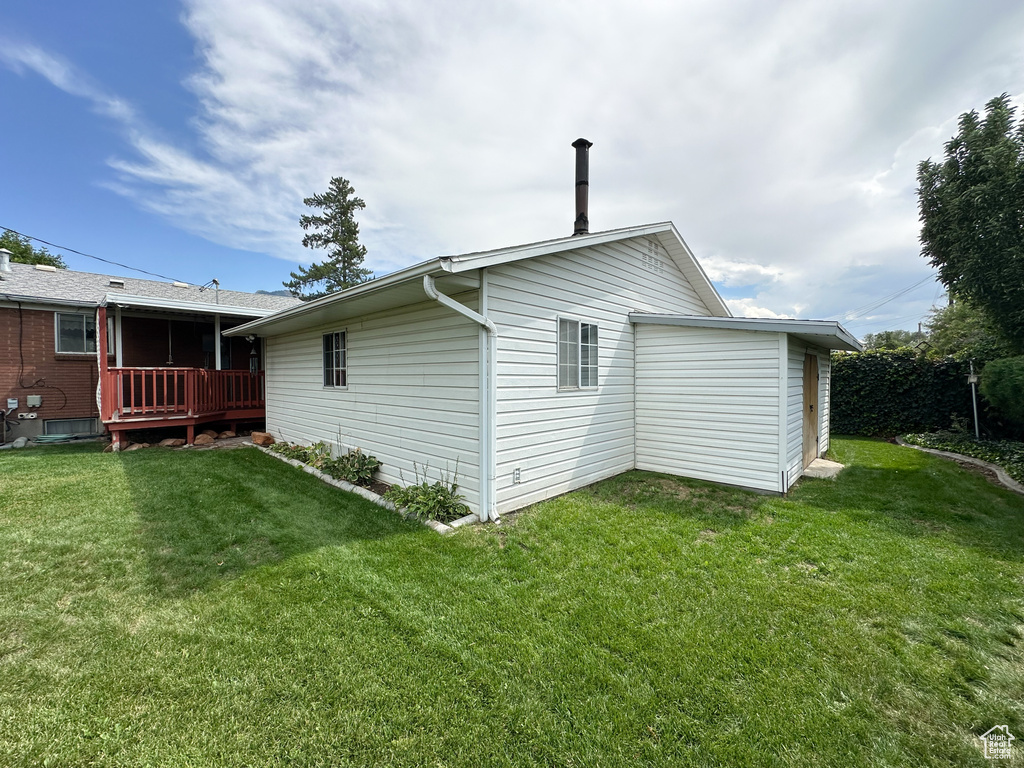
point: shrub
(424, 500)
(1002, 383)
(353, 467)
(889, 392)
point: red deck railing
(154, 392)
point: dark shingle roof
(24, 281)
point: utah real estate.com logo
(998, 742)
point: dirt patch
(707, 535)
(673, 488)
(985, 472)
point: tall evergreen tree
(337, 231)
(972, 216)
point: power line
(90, 256)
(872, 306)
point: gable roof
(452, 274)
(69, 288)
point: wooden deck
(147, 398)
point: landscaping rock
(263, 438)
(203, 439)
(210, 432)
(137, 446)
(226, 434)
(172, 442)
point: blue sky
(782, 139)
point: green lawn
(222, 608)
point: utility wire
(872, 306)
(90, 256)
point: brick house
(157, 364)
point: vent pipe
(582, 225)
(5, 260)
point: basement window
(335, 364)
(577, 354)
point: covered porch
(167, 366)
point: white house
(545, 367)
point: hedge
(892, 392)
(1002, 383)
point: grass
(221, 608)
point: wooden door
(810, 408)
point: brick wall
(67, 383)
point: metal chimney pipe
(5, 260)
(582, 225)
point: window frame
(86, 319)
(589, 350)
(343, 368)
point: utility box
(34, 401)
(12, 403)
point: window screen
(577, 354)
(334, 360)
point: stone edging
(369, 495)
(1000, 473)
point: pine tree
(337, 231)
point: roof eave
(826, 329)
(415, 272)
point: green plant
(424, 500)
(316, 455)
(890, 392)
(1002, 384)
(354, 467)
(1009, 454)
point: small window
(335, 372)
(577, 354)
(76, 333)
(69, 427)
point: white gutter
(488, 396)
(197, 307)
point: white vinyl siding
(707, 404)
(412, 391)
(563, 440)
(795, 406)
(824, 400)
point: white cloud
(782, 139)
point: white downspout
(488, 392)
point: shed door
(810, 408)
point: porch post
(118, 345)
(216, 341)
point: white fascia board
(703, 285)
(32, 302)
(482, 259)
(415, 272)
(693, 271)
(826, 333)
(196, 307)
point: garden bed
(1008, 454)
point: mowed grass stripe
(222, 608)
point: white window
(577, 354)
(75, 333)
(335, 371)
